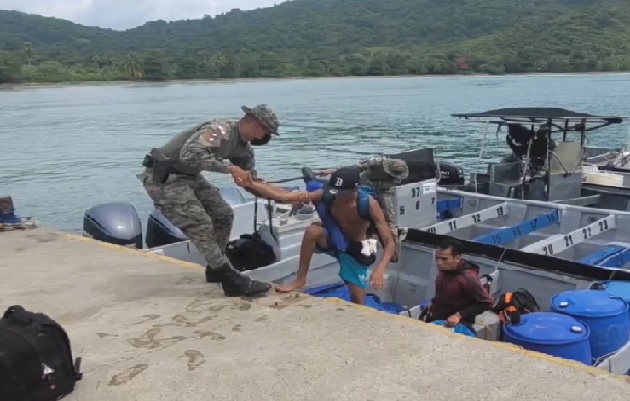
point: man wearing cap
(173, 181)
(382, 175)
(346, 212)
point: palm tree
(133, 65)
(97, 61)
(217, 62)
(27, 50)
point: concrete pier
(149, 328)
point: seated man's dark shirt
(459, 291)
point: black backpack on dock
(36, 361)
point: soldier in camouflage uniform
(382, 175)
(173, 181)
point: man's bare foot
(292, 286)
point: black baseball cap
(345, 179)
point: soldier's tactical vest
(235, 150)
(174, 146)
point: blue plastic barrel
(606, 317)
(551, 333)
(619, 289)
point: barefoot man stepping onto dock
(346, 212)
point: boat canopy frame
(563, 120)
(554, 119)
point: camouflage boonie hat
(396, 168)
(265, 115)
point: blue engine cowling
(116, 223)
(162, 232)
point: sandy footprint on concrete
(195, 359)
(127, 375)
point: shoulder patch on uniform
(208, 137)
(213, 134)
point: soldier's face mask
(262, 141)
(257, 133)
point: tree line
(328, 38)
(23, 66)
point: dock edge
(502, 345)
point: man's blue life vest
(337, 238)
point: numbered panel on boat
(414, 204)
(556, 244)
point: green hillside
(328, 38)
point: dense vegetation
(328, 38)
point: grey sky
(123, 14)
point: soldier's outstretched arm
(202, 149)
(248, 163)
(268, 191)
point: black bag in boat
(510, 306)
(36, 361)
(250, 252)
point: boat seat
(566, 155)
(504, 177)
(505, 173)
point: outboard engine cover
(161, 232)
(115, 223)
(250, 252)
(450, 174)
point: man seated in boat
(346, 211)
(459, 295)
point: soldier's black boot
(236, 284)
(213, 276)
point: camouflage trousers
(197, 208)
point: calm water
(68, 148)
